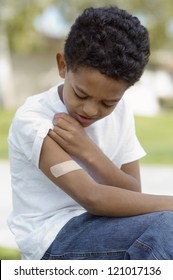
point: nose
(90, 109)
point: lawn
(5, 120)
(9, 254)
(156, 136)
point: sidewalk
(155, 180)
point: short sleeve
(131, 147)
(27, 132)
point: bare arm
(71, 136)
(96, 198)
(106, 172)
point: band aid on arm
(64, 167)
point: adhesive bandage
(64, 167)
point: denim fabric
(89, 237)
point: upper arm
(133, 169)
(52, 154)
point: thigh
(95, 237)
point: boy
(74, 153)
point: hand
(71, 136)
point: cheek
(69, 101)
(107, 111)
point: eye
(109, 105)
(79, 96)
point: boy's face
(89, 95)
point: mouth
(84, 120)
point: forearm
(106, 172)
(104, 200)
(111, 201)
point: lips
(84, 120)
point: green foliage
(22, 37)
(9, 254)
(156, 15)
(21, 33)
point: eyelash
(79, 96)
(82, 98)
(107, 106)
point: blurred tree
(16, 30)
(17, 17)
(156, 15)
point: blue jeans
(89, 237)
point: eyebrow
(105, 100)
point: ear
(61, 64)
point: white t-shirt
(40, 208)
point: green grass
(9, 254)
(5, 121)
(155, 134)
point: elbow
(135, 186)
(91, 201)
(138, 187)
(93, 209)
(94, 203)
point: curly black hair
(109, 40)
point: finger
(59, 121)
(59, 116)
(57, 138)
(63, 125)
(61, 132)
(65, 117)
(66, 125)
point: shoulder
(122, 116)
(40, 106)
(35, 116)
(124, 107)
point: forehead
(95, 84)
